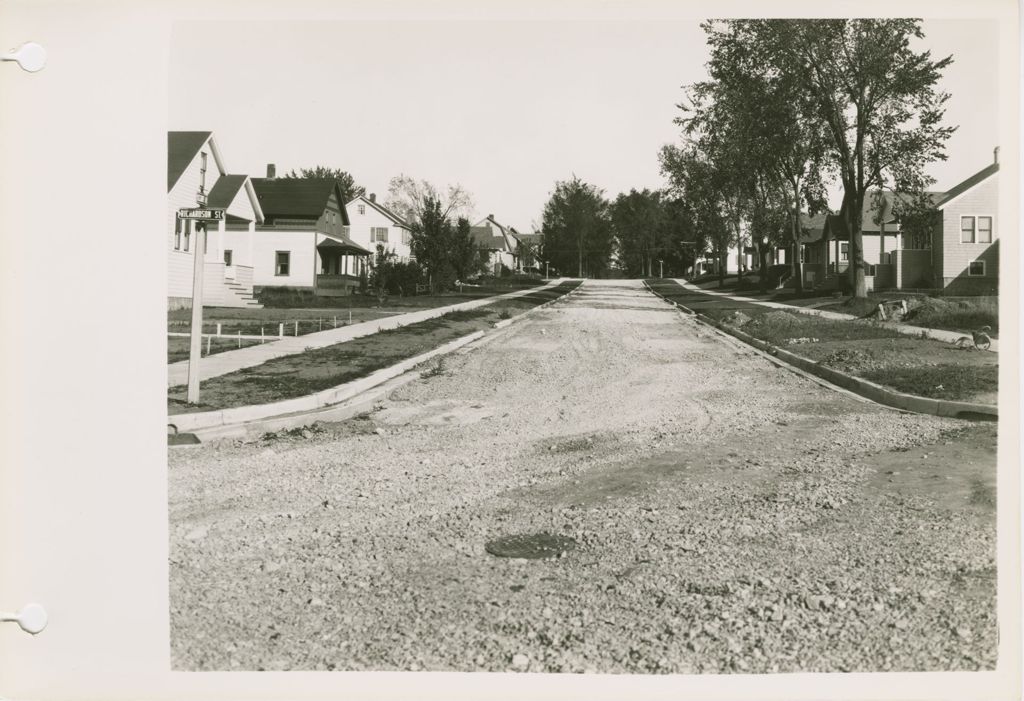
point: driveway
(727, 515)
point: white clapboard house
(196, 176)
(373, 224)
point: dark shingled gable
(488, 238)
(298, 198)
(811, 228)
(224, 190)
(182, 147)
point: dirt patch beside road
(729, 516)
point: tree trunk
(855, 260)
(762, 263)
(797, 268)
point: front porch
(342, 265)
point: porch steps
(243, 294)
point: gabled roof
(529, 239)
(224, 191)
(337, 241)
(383, 210)
(298, 198)
(812, 227)
(485, 237)
(182, 147)
(966, 185)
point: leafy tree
(704, 186)
(577, 229)
(758, 118)
(349, 189)
(464, 255)
(878, 99)
(407, 197)
(380, 273)
(637, 221)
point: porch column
(250, 260)
(219, 253)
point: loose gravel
(727, 516)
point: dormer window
(202, 172)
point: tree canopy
(349, 188)
(577, 229)
(407, 197)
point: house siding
(981, 200)
(359, 229)
(183, 194)
(302, 246)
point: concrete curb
(327, 397)
(864, 388)
(177, 371)
(358, 404)
(294, 412)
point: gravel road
(729, 516)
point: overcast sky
(504, 108)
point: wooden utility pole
(196, 338)
(200, 216)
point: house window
(844, 252)
(379, 234)
(406, 236)
(984, 229)
(188, 232)
(283, 258)
(345, 230)
(227, 257)
(976, 268)
(361, 208)
(966, 229)
(202, 172)
(177, 234)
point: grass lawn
(178, 347)
(306, 373)
(315, 314)
(865, 349)
(950, 381)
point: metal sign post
(200, 216)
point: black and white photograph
(480, 384)
(505, 350)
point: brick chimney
(995, 155)
(373, 197)
(271, 171)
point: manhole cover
(530, 546)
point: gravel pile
(727, 516)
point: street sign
(201, 213)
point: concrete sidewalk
(230, 361)
(905, 329)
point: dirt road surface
(728, 515)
